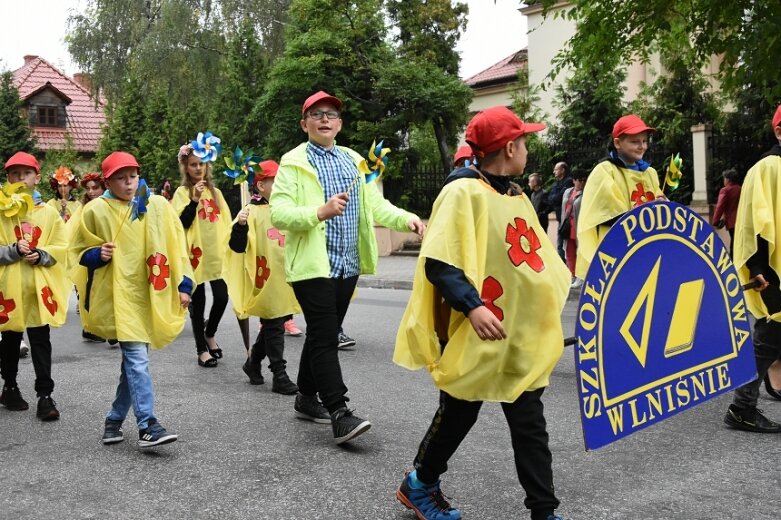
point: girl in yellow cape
(34, 288)
(617, 184)
(63, 182)
(758, 259)
(135, 280)
(255, 273)
(484, 317)
(206, 219)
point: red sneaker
(291, 329)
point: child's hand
(334, 207)
(107, 251)
(417, 226)
(243, 216)
(184, 299)
(198, 189)
(63, 203)
(760, 283)
(486, 324)
(32, 257)
(23, 246)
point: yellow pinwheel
(15, 200)
(375, 164)
(674, 173)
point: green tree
(745, 35)
(125, 120)
(15, 132)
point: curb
(372, 282)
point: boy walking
(34, 288)
(758, 259)
(135, 278)
(484, 316)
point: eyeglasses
(318, 114)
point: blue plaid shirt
(336, 171)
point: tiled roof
(506, 71)
(85, 120)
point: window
(47, 115)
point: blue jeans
(135, 386)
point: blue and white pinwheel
(206, 146)
(241, 167)
(139, 202)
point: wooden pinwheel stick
(122, 223)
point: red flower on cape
(158, 271)
(524, 244)
(262, 271)
(274, 234)
(209, 211)
(492, 290)
(195, 256)
(28, 232)
(640, 196)
(6, 308)
(47, 297)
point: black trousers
(767, 349)
(324, 303)
(533, 461)
(270, 343)
(41, 352)
(198, 306)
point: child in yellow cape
(34, 288)
(617, 184)
(255, 273)
(758, 259)
(206, 219)
(484, 315)
(135, 280)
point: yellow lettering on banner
(663, 216)
(636, 421)
(587, 351)
(629, 224)
(654, 402)
(707, 245)
(740, 337)
(739, 311)
(585, 377)
(592, 406)
(679, 225)
(616, 417)
(682, 391)
(696, 226)
(607, 262)
(723, 372)
(698, 384)
(711, 382)
(668, 389)
(588, 307)
(724, 260)
(732, 284)
(591, 292)
(647, 220)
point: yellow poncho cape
(256, 278)
(70, 208)
(609, 193)
(759, 213)
(206, 237)
(498, 243)
(135, 297)
(33, 296)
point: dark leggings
(41, 352)
(197, 307)
(454, 419)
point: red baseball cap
(777, 117)
(320, 96)
(630, 125)
(494, 127)
(116, 161)
(23, 159)
(267, 169)
(463, 152)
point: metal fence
(731, 151)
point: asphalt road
(242, 454)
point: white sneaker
(23, 349)
(577, 283)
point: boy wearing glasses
(328, 221)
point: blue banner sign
(662, 325)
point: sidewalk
(393, 272)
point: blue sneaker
(154, 435)
(428, 502)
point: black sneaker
(309, 408)
(12, 399)
(281, 384)
(112, 432)
(47, 409)
(93, 338)
(347, 426)
(750, 420)
(345, 341)
(154, 435)
(255, 377)
(427, 502)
